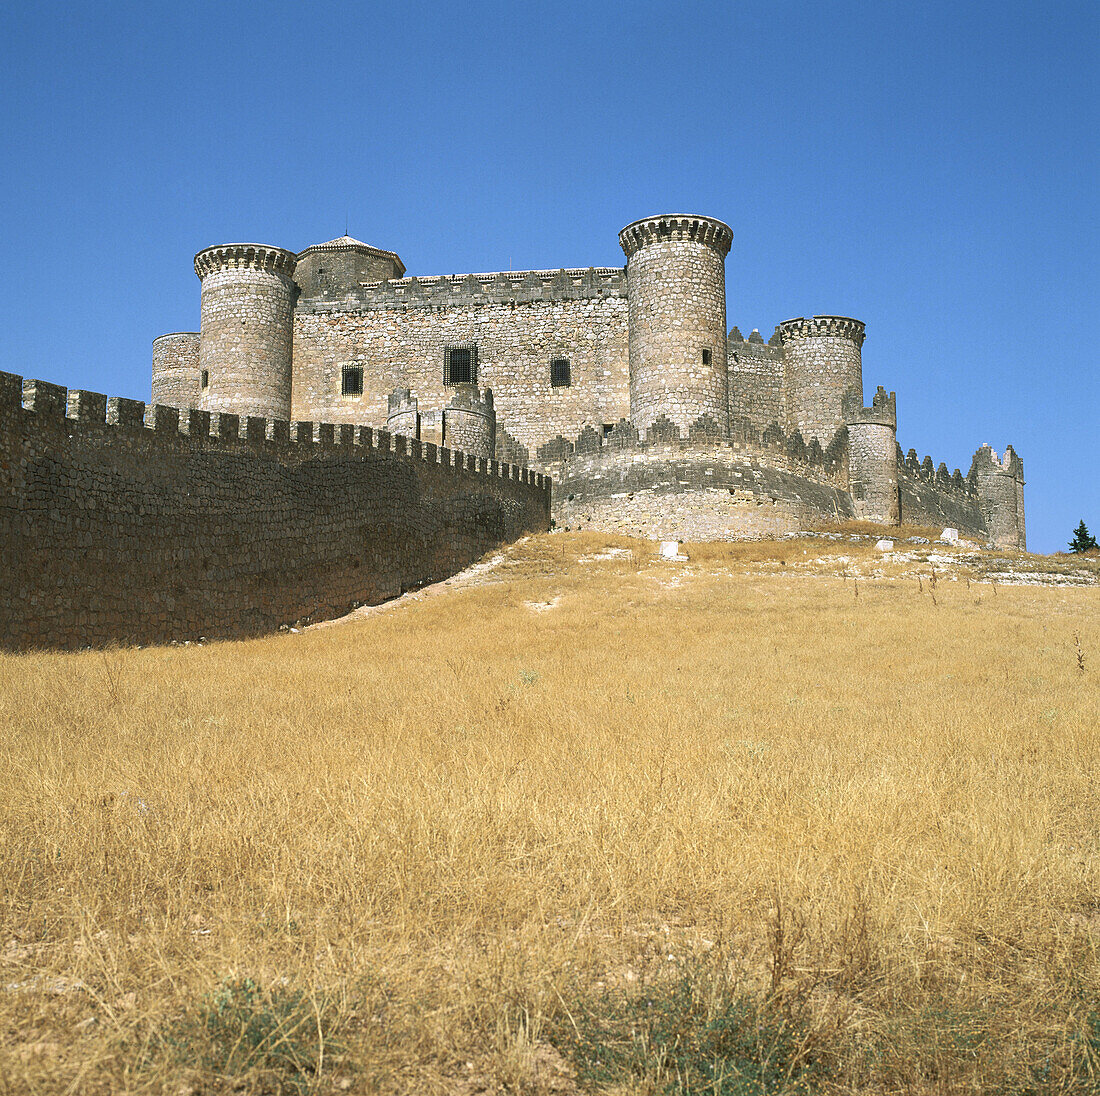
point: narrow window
(460, 365)
(351, 380)
(607, 428)
(204, 380)
(559, 373)
(706, 356)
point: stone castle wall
(757, 395)
(121, 523)
(398, 333)
(176, 369)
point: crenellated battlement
(822, 327)
(676, 226)
(472, 290)
(81, 411)
(790, 452)
(262, 257)
(883, 410)
(985, 460)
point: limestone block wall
(398, 332)
(121, 523)
(676, 278)
(402, 415)
(247, 305)
(823, 366)
(176, 369)
(757, 395)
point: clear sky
(930, 168)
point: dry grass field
(593, 823)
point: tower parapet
(176, 369)
(824, 366)
(402, 415)
(999, 482)
(245, 350)
(676, 290)
(872, 456)
(470, 421)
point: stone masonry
(582, 366)
(133, 524)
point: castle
(621, 384)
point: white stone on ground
(884, 546)
(670, 549)
(949, 536)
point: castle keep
(622, 384)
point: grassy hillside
(587, 822)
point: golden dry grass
(439, 840)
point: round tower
(176, 369)
(247, 329)
(873, 457)
(1000, 486)
(823, 367)
(676, 293)
(470, 422)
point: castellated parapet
(872, 457)
(824, 366)
(176, 369)
(247, 334)
(470, 421)
(676, 290)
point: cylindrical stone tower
(176, 369)
(247, 329)
(470, 422)
(676, 290)
(402, 416)
(822, 368)
(1000, 486)
(873, 458)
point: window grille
(204, 380)
(559, 373)
(460, 364)
(351, 380)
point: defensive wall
(700, 486)
(134, 524)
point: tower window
(706, 356)
(460, 364)
(351, 380)
(204, 379)
(559, 373)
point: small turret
(337, 267)
(402, 415)
(676, 292)
(246, 341)
(176, 369)
(1000, 486)
(470, 422)
(823, 367)
(872, 457)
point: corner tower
(676, 293)
(824, 366)
(873, 457)
(999, 482)
(245, 345)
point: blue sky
(928, 168)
